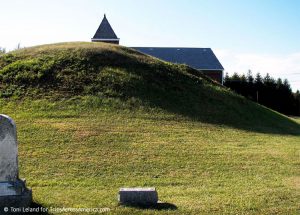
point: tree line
(273, 93)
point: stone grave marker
(138, 196)
(13, 191)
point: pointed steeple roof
(105, 32)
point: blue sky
(261, 35)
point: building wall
(216, 75)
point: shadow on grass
(195, 98)
(159, 206)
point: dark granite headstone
(138, 196)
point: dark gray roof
(198, 58)
(105, 31)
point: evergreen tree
(279, 83)
(258, 87)
(287, 85)
(258, 79)
(250, 78)
(227, 79)
(297, 103)
(235, 77)
(268, 79)
(250, 86)
(275, 94)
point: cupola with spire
(105, 33)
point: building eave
(99, 39)
(211, 69)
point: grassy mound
(108, 71)
(72, 69)
(92, 118)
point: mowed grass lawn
(79, 156)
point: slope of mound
(92, 118)
(108, 71)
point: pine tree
(279, 83)
(250, 78)
(235, 77)
(258, 79)
(227, 80)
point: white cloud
(283, 66)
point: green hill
(95, 117)
(108, 71)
